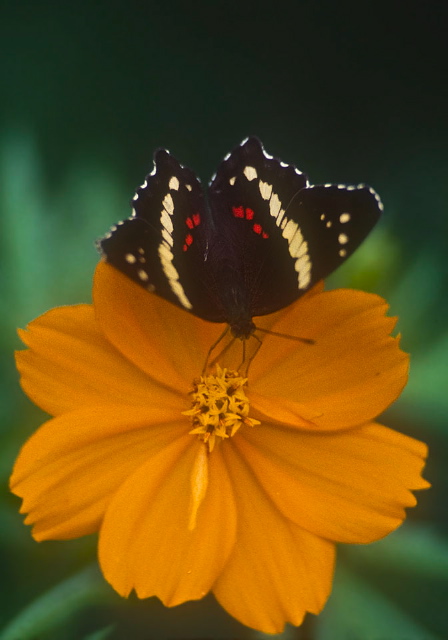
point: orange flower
(247, 503)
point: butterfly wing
(163, 245)
(266, 239)
(283, 235)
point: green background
(349, 92)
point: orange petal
(168, 343)
(69, 469)
(69, 364)
(352, 373)
(277, 570)
(352, 486)
(145, 543)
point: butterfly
(253, 242)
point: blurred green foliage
(348, 92)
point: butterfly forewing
(248, 198)
(163, 245)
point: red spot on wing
(191, 223)
(249, 214)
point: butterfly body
(254, 242)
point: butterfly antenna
(285, 335)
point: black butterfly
(255, 241)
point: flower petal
(145, 543)
(352, 486)
(352, 373)
(70, 364)
(69, 469)
(168, 343)
(277, 570)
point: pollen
(220, 406)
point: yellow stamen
(199, 484)
(220, 406)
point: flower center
(220, 406)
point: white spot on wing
(280, 217)
(189, 187)
(142, 275)
(250, 173)
(295, 243)
(377, 198)
(173, 184)
(130, 258)
(167, 237)
(168, 204)
(166, 255)
(344, 217)
(232, 181)
(265, 189)
(274, 205)
(170, 271)
(343, 238)
(298, 250)
(166, 221)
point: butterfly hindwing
(333, 220)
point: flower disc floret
(220, 406)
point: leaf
(101, 634)
(357, 611)
(58, 604)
